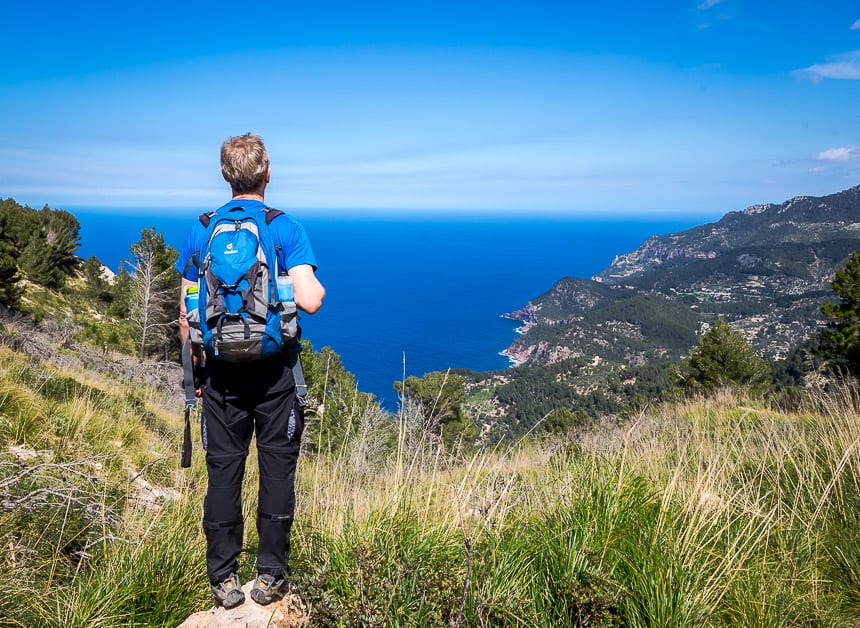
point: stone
(288, 612)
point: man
(240, 398)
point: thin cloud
(856, 26)
(707, 4)
(840, 154)
(844, 66)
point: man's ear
(268, 173)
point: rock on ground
(289, 612)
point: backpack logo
(240, 316)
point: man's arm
(308, 292)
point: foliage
(535, 392)
(80, 546)
(41, 243)
(541, 398)
(49, 255)
(120, 304)
(132, 312)
(10, 292)
(393, 569)
(117, 335)
(841, 339)
(336, 406)
(96, 287)
(61, 231)
(36, 263)
(722, 357)
(17, 223)
(440, 394)
(563, 420)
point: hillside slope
(766, 269)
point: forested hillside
(767, 270)
(614, 342)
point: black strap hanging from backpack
(294, 352)
(190, 402)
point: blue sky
(651, 108)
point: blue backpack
(240, 316)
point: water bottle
(192, 300)
(289, 322)
(192, 311)
(285, 288)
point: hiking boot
(268, 588)
(228, 593)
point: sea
(412, 292)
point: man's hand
(198, 363)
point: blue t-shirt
(287, 233)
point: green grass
(710, 512)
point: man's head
(245, 164)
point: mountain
(766, 269)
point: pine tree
(97, 286)
(48, 240)
(35, 261)
(10, 291)
(17, 224)
(841, 340)
(120, 290)
(441, 395)
(61, 231)
(722, 358)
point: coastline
(514, 361)
(513, 355)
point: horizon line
(406, 212)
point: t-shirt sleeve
(190, 246)
(296, 248)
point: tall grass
(715, 511)
(85, 543)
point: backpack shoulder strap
(205, 218)
(271, 214)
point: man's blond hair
(244, 163)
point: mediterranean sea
(415, 292)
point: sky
(644, 108)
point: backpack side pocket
(289, 320)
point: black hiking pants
(240, 399)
